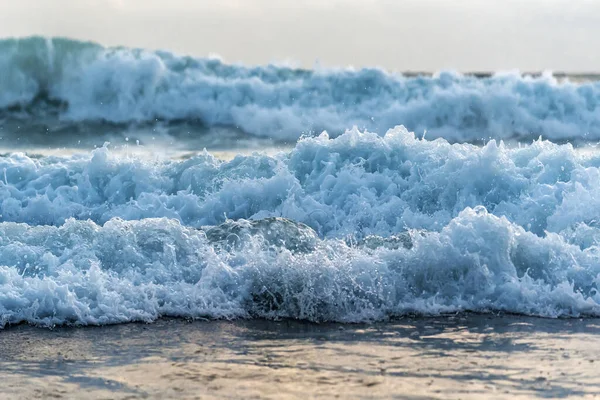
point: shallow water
(462, 356)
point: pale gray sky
(397, 35)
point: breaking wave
(76, 82)
(361, 227)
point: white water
(102, 238)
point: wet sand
(466, 356)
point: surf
(355, 228)
(86, 89)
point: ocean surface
(348, 195)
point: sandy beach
(465, 356)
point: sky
(399, 35)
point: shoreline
(462, 356)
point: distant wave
(367, 228)
(80, 82)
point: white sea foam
(85, 82)
(101, 238)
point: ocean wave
(83, 82)
(361, 227)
